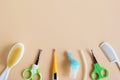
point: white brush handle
(5, 74)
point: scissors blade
(38, 57)
(94, 59)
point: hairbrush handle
(5, 74)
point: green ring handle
(93, 75)
(98, 71)
(25, 72)
(106, 73)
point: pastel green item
(99, 72)
(33, 71)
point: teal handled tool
(33, 70)
(74, 66)
(98, 72)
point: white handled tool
(74, 66)
(85, 65)
(15, 55)
(110, 53)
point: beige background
(69, 25)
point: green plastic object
(99, 73)
(32, 72)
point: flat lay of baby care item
(14, 57)
(85, 64)
(98, 72)
(74, 66)
(110, 53)
(33, 71)
(54, 70)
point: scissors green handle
(33, 70)
(98, 73)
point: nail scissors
(98, 72)
(33, 70)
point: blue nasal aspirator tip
(74, 66)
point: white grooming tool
(14, 57)
(85, 65)
(110, 53)
(74, 66)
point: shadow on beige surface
(50, 69)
